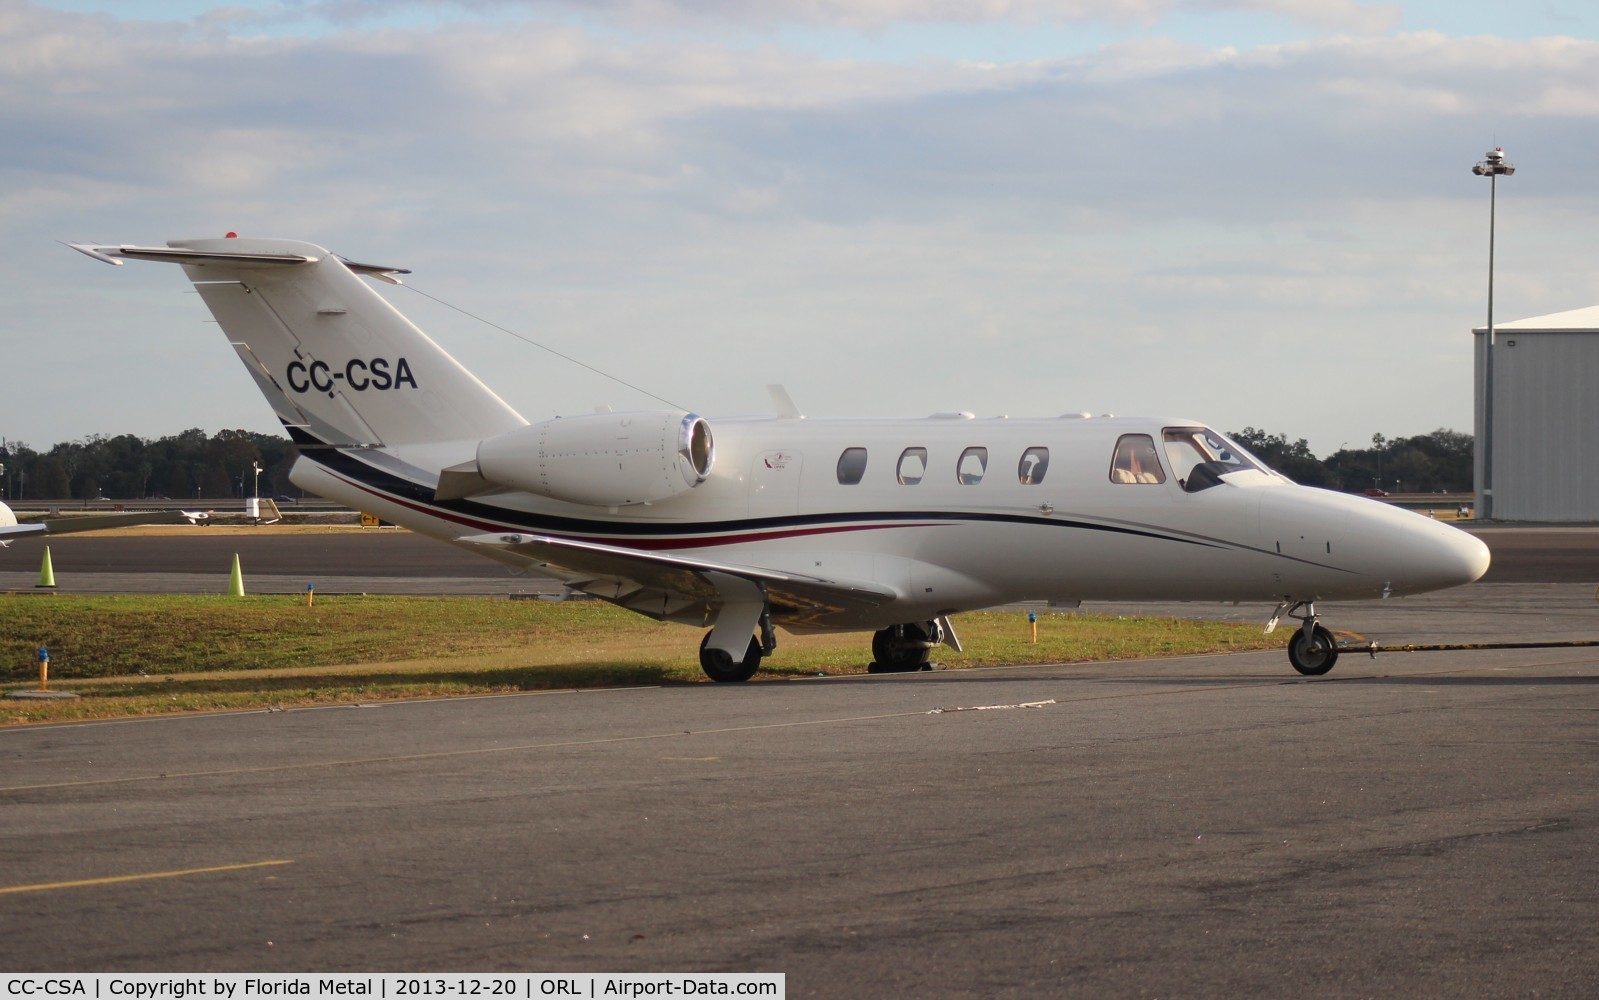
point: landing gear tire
(903, 648)
(722, 668)
(1313, 654)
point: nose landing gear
(1312, 650)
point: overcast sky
(1247, 212)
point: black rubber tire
(720, 667)
(1313, 664)
(894, 656)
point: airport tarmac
(1412, 825)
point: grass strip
(145, 654)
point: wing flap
(664, 585)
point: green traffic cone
(47, 572)
(236, 579)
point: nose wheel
(1312, 650)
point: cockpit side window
(1200, 457)
(1135, 461)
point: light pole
(1378, 442)
(257, 490)
(1492, 167)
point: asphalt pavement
(1409, 825)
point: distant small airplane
(812, 525)
(10, 530)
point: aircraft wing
(97, 522)
(659, 584)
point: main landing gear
(1312, 650)
(896, 649)
(905, 648)
(719, 666)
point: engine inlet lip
(696, 447)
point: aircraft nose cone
(1448, 557)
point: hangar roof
(1585, 320)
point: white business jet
(745, 525)
(10, 530)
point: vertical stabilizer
(339, 365)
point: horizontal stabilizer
(116, 254)
(375, 270)
(175, 255)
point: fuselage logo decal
(359, 374)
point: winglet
(786, 410)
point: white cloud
(869, 15)
(885, 238)
(1334, 15)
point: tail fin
(340, 366)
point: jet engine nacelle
(7, 518)
(602, 459)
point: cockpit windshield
(1200, 457)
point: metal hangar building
(1537, 455)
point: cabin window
(851, 466)
(1135, 460)
(1030, 470)
(912, 466)
(972, 466)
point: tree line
(194, 465)
(187, 466)
(1425, 463)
